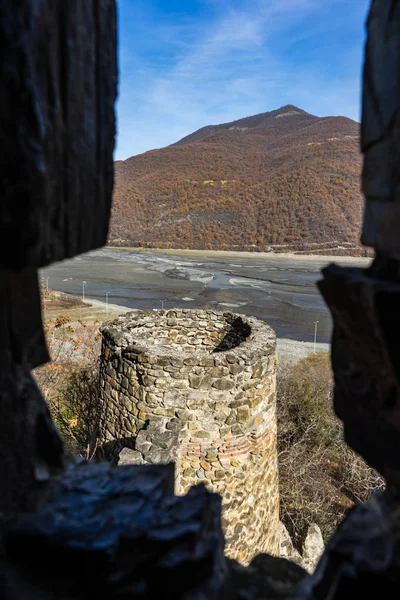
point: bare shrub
(320, 476)
(70, 382)
(355, 478)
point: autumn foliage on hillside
(279, 178)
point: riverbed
(278, 288)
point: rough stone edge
(262, 336)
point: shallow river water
(280, 289)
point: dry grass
(320, 476)
(69, 382)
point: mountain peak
(290, 108)
(287, 107)
(247, 124)
(283, 178)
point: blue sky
(189, 63)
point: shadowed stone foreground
(121, 532)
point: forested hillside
(280, 178)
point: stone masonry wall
(197, 387)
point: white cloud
(228, 66)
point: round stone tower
(198, 387)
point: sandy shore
(321, 258)
(291, 351)
(112, 309)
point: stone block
(223, 384)
(127, 456)
(174, 400)
(195, 381)
(185, 415)
(189, 473)
(243, 414)
(206, 382)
